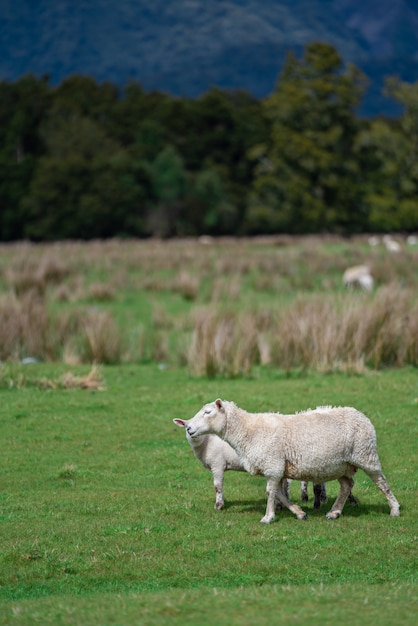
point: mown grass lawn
(107, 518)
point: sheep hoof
(219, 505)
(333, 515)
(266, 520)
(395, 513)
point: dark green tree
(307, 174)
(168, 180)
(390, 149)
(23, 107)
(86, 186)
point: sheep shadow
(350, 510)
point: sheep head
(210, 419)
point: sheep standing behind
(315, 445)
(320, 494)
(216, 455)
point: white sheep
(215, 455)
(315, 445)
(391, 244)
(218, 456)
(358, 276)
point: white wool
(218, 456)
(318, 445)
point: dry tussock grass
(351, 332)
(11, 376)
(102, 341)
(222, 343)
(25, 327)
(92, 380)
(305, 319)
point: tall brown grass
(102, 341)
(349, 332)
(223, 343)
(26, 328)
(219, 309)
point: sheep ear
(179, 422)
(219, 404)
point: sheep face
(210, 419)
(195, 442)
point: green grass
(107, 518)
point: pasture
(106, 517)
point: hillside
(189, 45)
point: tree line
(83, 160)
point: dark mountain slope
(186, 46)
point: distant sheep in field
(216, 455)
(316, 445)
(358, 276)
(391, 244)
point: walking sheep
(315, 445)
(216, 455)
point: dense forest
(88, 160)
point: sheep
(215, 455)
(373, 241)
(218, 456)
(391, 244)
(320, 494)
(323, 444)
(358, 276)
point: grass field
(217, 309)
(107, 518)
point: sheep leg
(320, 493)
(273, 491)
(294, 508)
(218, 483)
(281, 490)
(337, 507)
(284, 486)
(352, 499)
(304, 491)
(379, 479)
